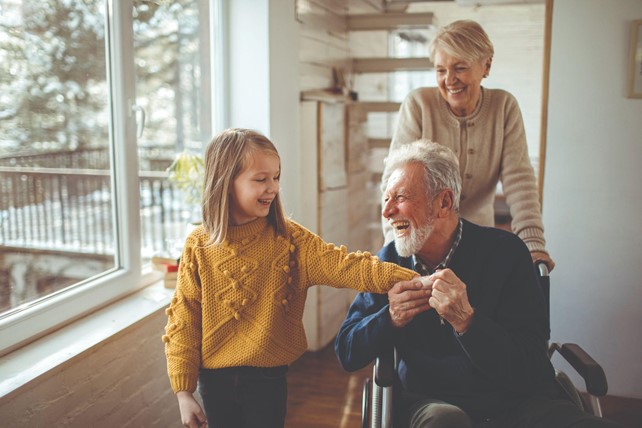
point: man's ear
(446, 202)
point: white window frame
(54, 311)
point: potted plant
(186, 174)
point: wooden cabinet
(328, 168)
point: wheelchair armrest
(384, 369)
(586, 366)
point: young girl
(235, 321)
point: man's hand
(192, 415)
(450, 299)
(407, 300)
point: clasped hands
(442, 291)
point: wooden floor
(322, 395)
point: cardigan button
(471, 151)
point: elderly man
(472, 342)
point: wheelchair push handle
(542, 268)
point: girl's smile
(254, 188)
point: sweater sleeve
(183, 330)
(366, 332)
(327, 264)
(519, 182)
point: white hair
(441, 166)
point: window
(172, 74)
(96, 98)
(409, 44)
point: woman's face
(459, 81)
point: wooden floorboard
(322, 395)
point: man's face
(408, 208)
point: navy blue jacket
(498, 362)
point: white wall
(263, 75)
(592, 197)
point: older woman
(484, 127)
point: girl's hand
(192, 415)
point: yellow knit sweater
(241, 303)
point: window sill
(52, 351)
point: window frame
(52, 312)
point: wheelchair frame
(377, 396)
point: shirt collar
(421, 267)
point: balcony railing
(70, 210)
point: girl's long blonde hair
(226, 156)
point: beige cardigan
(491, 146)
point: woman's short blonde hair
(226, 156)
(464, 39)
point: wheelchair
(377, 395)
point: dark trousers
(549, 409)
(244, 397)
(546, 412)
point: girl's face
(459, 81)
(254, 189)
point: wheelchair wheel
(565, 382)
(365, 403)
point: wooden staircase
(369, 111)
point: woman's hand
(192, 415)
(539, 256)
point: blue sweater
(498, 362)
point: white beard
(408, 245)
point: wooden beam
(378, 143)
(387, 65)
(389, 21)
(379, 106)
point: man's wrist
(461, 329)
